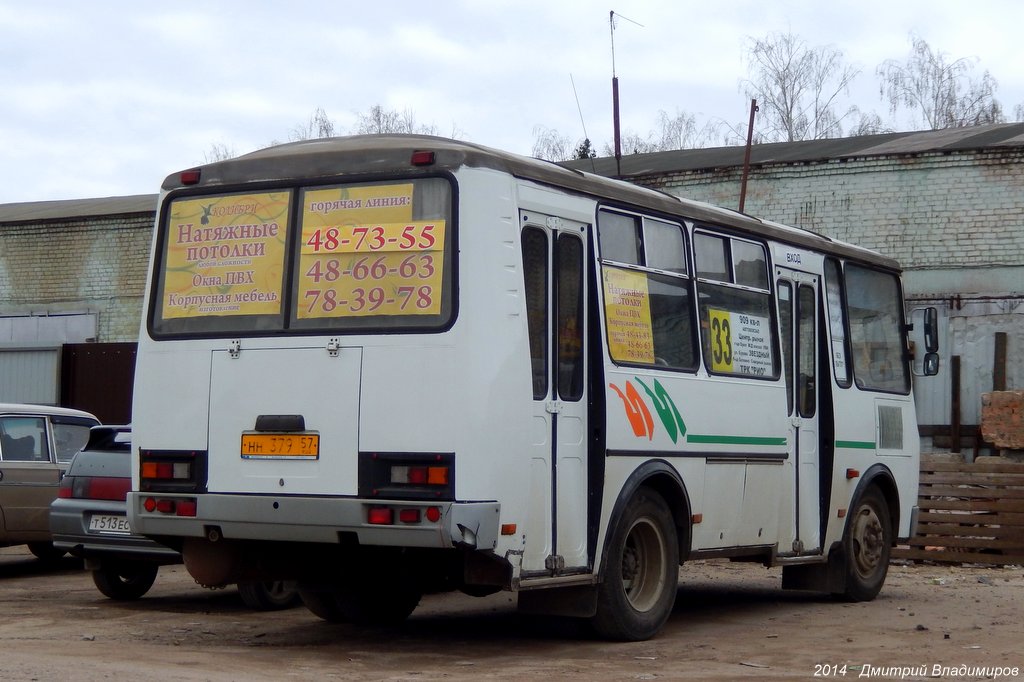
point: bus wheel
(641, 573)
(375, 602)
(125, 581)
(866, 545)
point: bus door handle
(553, 406)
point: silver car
(36, 444)
(89, 520)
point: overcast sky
(106, 98)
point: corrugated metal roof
(42, 211)
(998, 135)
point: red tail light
(380, 516)
(109, 488)
(94, 488)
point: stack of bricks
(1002, 419)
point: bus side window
(647, 291)
(877, 331)
(785, 291)
(570, 317)
(535, 274)
(736, 315)
(837, 322)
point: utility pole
(746, 154)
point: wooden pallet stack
(970, 513)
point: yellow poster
(362, 254)
(225, 255)
(720, 322)
(627, 311)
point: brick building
(71, 280)
(947, 204)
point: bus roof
(368, 155)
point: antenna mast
(615, 102)
(615, 95)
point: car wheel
(269, 596)
(45, 551)
(125, 581)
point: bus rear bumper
(283, 518)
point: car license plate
(281, 445)
(109, 523)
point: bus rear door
(553, 262)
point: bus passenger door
(553, 265)
(798, 312)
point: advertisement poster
(627, 312)
(362, 254)
(225, 255)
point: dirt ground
(732, 621)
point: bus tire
(271, 595)
(125, 581)
(867, 541)
(641, 573)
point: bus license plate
(281, 445)
(109, 524)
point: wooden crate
(970, 513)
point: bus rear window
(367, 256)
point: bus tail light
(386, 515)
(407, 475)
(191, 176)
(380, 516)
(172, 470)
(422, 158)
(178, 506)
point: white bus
(383, 366)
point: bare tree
(674, 131)
(634, 143)
(317, 127)
(379, 120)
(1018, 112)
(797, 88)
(868, 124)
(219, 151)
(551, 145)
(681, 131)
(941, 92)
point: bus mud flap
(578, 601)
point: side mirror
(931, 330)
(924, 341)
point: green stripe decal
(856, 444)
(735, 440)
